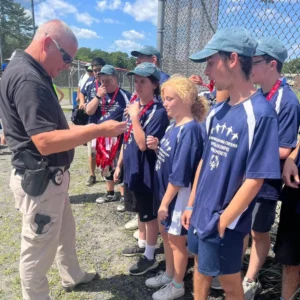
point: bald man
(42, 150)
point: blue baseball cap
(146, 69)
(108, 70)
(272, 47)
(231, 39)
(147, 50)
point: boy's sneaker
(216, 284)
(143, 266)
(91, 181)
(158, 281)
(133, 251)
(169, 291)
(107, 198)
(132, 224)
(251, 289)
(121, 206)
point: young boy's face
(218, 71)
(260, 69)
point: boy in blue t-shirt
(241, 151)
(287, 246)
(266, 71)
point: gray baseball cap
(272, 47)
(146, 69)
(108, 70)
(231, 39)
(147, 50)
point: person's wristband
(99, 98)
(189, 208)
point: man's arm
(139, 134)
(284, 152)
(63, 140)
(92, 106)
(290, 170)
(239, 203)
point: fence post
(160, 25)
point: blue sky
(109, 25)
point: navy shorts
(263, 215)
(216, 255)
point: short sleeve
(36, 107)
(187, 155)
(158, 124)
(288, 126)
(263, 159)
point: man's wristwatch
(99, 98)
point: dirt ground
(100, 239)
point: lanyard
(127, 134)
(274, 89)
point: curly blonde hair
(188, 93)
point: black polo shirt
(29, 106)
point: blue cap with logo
(108, 70)
(231, 39)
(146, 69)
(147, 50)
(272, 47)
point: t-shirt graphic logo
(163, 152)
(214, 162)
(223, 129)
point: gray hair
(56, 29)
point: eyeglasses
(67, 58)
(254, 63)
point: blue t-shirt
(178, 156)
(242, 144)
(139, 165)
(112, 112)
(287, 108)
(163, 77)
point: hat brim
(259, 53)
(141, 73)
(103, 73)
(202, 55)
(137, 53)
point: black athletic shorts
(287, 247)
(139, 202)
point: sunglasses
(67, 58)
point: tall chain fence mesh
(190, 24)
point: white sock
(142, 243)
(149, 251)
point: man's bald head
(57, 30)
(54, 46)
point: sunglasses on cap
(67, 58)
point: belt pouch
(35, 182)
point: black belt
(22, 171)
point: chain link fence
(190, 24)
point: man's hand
(111, 128)
(101, 91)
(196, 79)
(290, 169)
(134, 110)
(221, 229)
(117, 174)
(186, 219)
(152, 142)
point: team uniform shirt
(139, 165)
(287, 108)
(82, 81)
(242, 144)
(112, 112)
(178, 156)
(163, 77)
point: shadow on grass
(87, 198)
